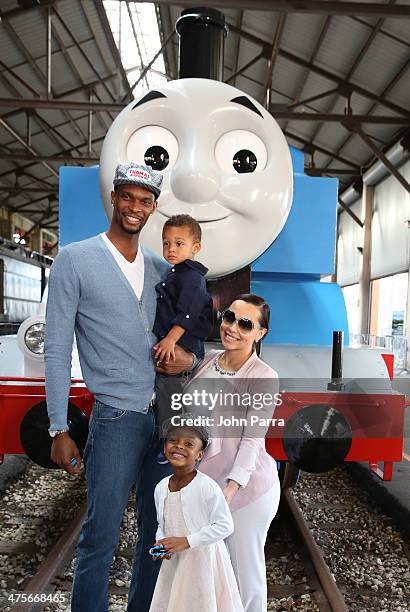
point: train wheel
(35, 438)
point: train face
(226, 162)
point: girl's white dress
(199, 578)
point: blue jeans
(121, 451)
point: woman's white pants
(247, 548)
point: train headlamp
(30, 339)
(34, 338)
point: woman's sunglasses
(244, 325)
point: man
(103, 289)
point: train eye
(244, 161)
(154, 146)
(241, 151)
(157, 157)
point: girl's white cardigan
(204, 507)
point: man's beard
(129, 230)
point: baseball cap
(138, 174)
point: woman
(240, 464)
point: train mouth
(205, 212)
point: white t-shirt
(133, 271)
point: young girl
(193, 520)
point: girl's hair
(264, 314)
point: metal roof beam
(245, 67)
(277, 39)
(26, 146)
(340, 118)
(275, 110)
(380, 155)
(17, 190)
(368, 9)
(163, 14)
(61, 104)
(351, 213)
(353, 67)
(81, 51)
(148, 67)
(63, 159)
(320, 149)
(25, 52)
(321, 7)
(313, 171)
(24, 206)
(313, 55)
(322, 72)
(22, 168)
(391, 84)
(113, 47)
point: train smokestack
(336, 383)
(202, 33)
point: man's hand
(183, 361)
(63, 450)
(165, 350)
(174, 545)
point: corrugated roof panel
(356, 149)
(381, 64)
(249, 87)
(29, 26)
(400, 93)
(301, 32)
(341, 45)
(397, 27)
(9, 53)
(73, 16)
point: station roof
(334, 74)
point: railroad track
(359, 560)
(362, 561)
(41, 517)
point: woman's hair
(256, 300)
(264, 314)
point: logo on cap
(132, 172)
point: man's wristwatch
(55, 432)
(194, 363)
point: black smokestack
(202, 33)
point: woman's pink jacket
(243, 459)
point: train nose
(317, 438)
(195, 183)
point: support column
(48, 53)
(364, 285)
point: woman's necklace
(220, 370)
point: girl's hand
(230, 491)
(174, 545)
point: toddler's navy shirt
(182, 299)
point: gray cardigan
(90, 295)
